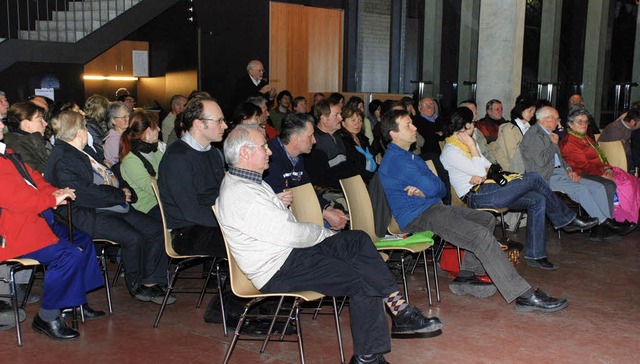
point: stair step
(118, 5)
(58, 36)
(78, 25)
(102, 15)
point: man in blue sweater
(414, 194)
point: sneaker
(153, 294)
(412, 321)
(472, 286)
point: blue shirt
(556, 159)
(401, 168)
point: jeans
(345, 264)
(531, 193)
(472, 230)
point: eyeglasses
(122, 117)
(265, 146)
(218, 120)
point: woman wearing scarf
(468, 169)
(582, 153)
(140, 154)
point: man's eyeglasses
(265, 146)
(219, 120)
(122, 117)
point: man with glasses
(189, 179)
(541, 154)
(253, 83)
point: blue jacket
(401, 168)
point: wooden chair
(361, 215)
(183, 262)
(616, 156)
(242, 287)
(15, 265)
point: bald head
(575, 100)
(255, 69)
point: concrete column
(500, 43)
(550, 44)
(468, 52)
(635, 91)
(432, 46)
(594, 55)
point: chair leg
(236, 335)
(14, 300)
(504, 234)
(338, 329)
(166, 296)
(318, 308)
(426, 278)
(27, 292)
(404, 278)
(117, 275)
(299, 331)
(206, 283)
(435, 272)
(221, 298)
(105, 273)
(415, 264)
(344, 300)
(459, 259)
(273, 322)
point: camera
(495, 173)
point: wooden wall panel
(305, 49)
(151, 90)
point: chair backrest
(615, 153)
(359, 205)
(393, 227)
(455, 200)
(168, 247)
(596, 136)
(305, 206)
(240, 284)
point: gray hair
(237, 138)
(577, 110)
(543, 112)
(113, 108)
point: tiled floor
(601, 325)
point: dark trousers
(472, 230)
(198, 239)
(345, 264)
(142, 241)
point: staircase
(79, 34)
(82, 18)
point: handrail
(57, 20)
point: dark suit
(245, 88)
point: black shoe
(601, 233)
(56, 329)
(542, 263)
(412, 321)
(153, 294)
(472, 286)
(89, 313)
(584, 223)
(539, 301)
(376, 359)
(619, 228)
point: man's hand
(574, 176)
(335, 217)
(62, 194)
(414, 191)
(554, 138)
(476, 180)
(265, 89)
(286, 197)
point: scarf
(586, 140)
(138, 147)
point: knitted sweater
(260, 231)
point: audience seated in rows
(281, 110)
(118, 120)
(27, 126)
(492, 120)
(356, 144)
(510, 134)
(176, 104)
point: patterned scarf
(586, 140)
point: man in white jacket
(279, 254)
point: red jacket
(24, 230)
(582, 158)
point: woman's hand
(466, 139)
(414, 191)
(608, 174)
(62, 194)
(476, 180)
(286, 198)
(127, 194)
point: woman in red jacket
(28, 229)
(588, 160)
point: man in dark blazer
(253, 83)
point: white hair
(239, 137)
